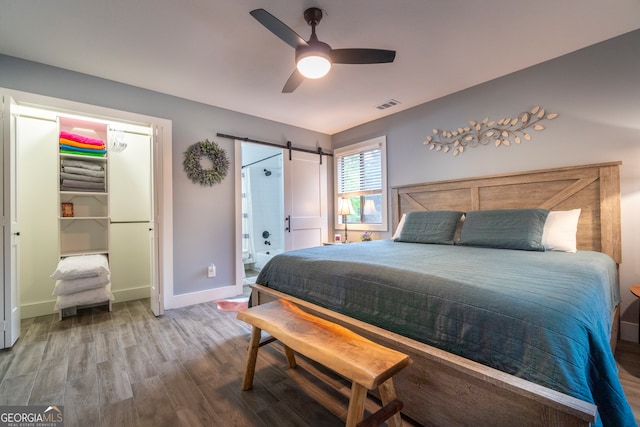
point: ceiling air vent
(390, 103)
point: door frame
(162, 177)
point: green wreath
(213, 152)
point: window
(361, 177)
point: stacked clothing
(71, 143)
(79, 175)
(82, 280)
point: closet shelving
(87, 231)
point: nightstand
(635, 290)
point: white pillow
(396, 235)
(75, 267)
(92, 296)
(559, 233)
(70, 286)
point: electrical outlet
(211, 271)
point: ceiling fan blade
(362, 56)
(278, 28)
(295, 80)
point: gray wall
(596, 91)
(203, 217)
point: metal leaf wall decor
(503, 132)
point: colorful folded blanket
(81, 145)
(80, 138)
(81, 150)
(94, 154)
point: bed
(499, 335)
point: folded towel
(80, 189)
(78, 153)
(81, 171)
(82, 184)
(80, 138)
(64, 141)
(75, 176)
(82, 164)
(81, 150)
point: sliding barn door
(305, 194)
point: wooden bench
(366, 364)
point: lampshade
(370, 207)
(345, 207)
(314, 61)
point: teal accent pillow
(519, 229)
(437, 227)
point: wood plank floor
(128, 368)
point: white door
(10, 227)
(130, 256)
(305, 200)
(131, 197)
(38, 208)
(130, 177)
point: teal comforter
(541, 316)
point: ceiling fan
(313, 57)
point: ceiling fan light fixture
(314, 67)
(314, 61)
(313, 57)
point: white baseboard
(131, 294)
(183, 300)
(37, 309)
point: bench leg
(387, 395)
(355, 413)
(291, 358)
(252, 356)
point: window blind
(360, 173)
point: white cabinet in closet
(130, 211)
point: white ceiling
(214, 52)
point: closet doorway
(31, 125)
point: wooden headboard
(593, 188)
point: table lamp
(345, 208)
